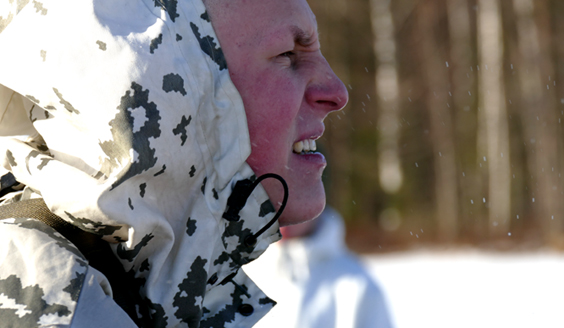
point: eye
(288, 54)
(287, 58)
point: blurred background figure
(316, 281)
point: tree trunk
(437, 80)
(387, 89)
(556, 10)
(463, 77)
(539, 118)
(493, 109)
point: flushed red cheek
(272, 119)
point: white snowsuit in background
(318, 283)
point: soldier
(167, 133)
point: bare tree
(437, 80)
(463, 77)
(493, 120)
(539, 118)
(556, 10)
(387, 89)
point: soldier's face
(288, 88)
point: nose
(326, 91)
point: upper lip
(312, 134)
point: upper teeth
(306, 145)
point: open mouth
(306, 146)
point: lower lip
(312, 158)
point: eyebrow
(301, 37)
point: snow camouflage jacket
(137, 134)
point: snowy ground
(458, 289)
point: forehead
(264, 21)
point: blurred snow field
(471, 288)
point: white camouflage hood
(144, 137)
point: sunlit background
(450, 153)
(453, 132)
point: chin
(301, 209)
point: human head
(288, 88)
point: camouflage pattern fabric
(136, 133)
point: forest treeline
(453, 132)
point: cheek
(271, 122)
(272, 102)
(272, 109)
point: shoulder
(41, 274)
(46, 281)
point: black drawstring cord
(252, 239)
(238, 199)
